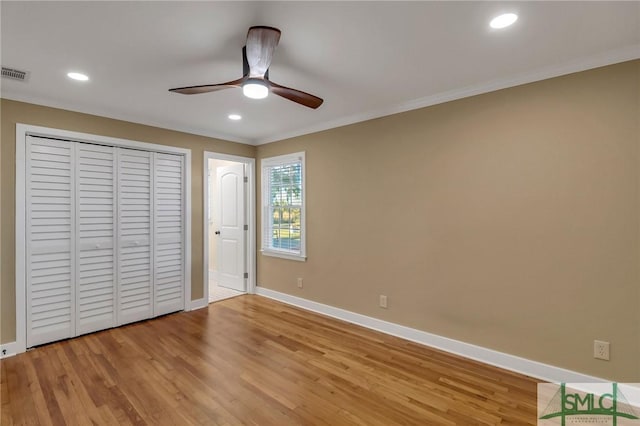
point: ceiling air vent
(14, 74)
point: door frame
(22, 131)
(250, 203)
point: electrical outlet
(299, 282)
(383, 301)
(601, 350)
(4, 352)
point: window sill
(281, 255)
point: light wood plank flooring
(251, 360)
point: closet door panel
(169, 233)
(135, 255)
(50, 243)
(105, 237)
(96, 227)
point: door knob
(217, 232)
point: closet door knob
(217, 232)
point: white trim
(278, 161)
(91, 138)
(119, 115)
(22, 130)
(282, 255)
(514, 363)
(251, 210)
(8, 349)
(198, 304)
(228, 157)
(21, 239)
(187, 230)
(624, 54)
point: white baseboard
(8, 349)
(198, 304)
(488, 356)
(514, 363)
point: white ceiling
(365, 59)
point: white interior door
(50, 240)
(230, 220)
(168, 233)
(135, 251)
(95, 229)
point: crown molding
(624, 54)
(609, 58)
(106, 113)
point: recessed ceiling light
(503, 21)
(77, 76)
(235, 117)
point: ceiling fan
(255, 83)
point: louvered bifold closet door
(50, 221)
(169, 233)
(135, 204)
(95, 213)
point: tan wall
(509, 220)
(18, 112)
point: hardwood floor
(251, 360)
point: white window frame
(265, 165)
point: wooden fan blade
(194, 90)
(261, 42)
(298, 96)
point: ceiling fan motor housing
(256, 60)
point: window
(283, 233)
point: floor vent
(14, 74)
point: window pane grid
(284, 208)
(285, 227)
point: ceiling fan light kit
(255, 83)
(255, 89)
